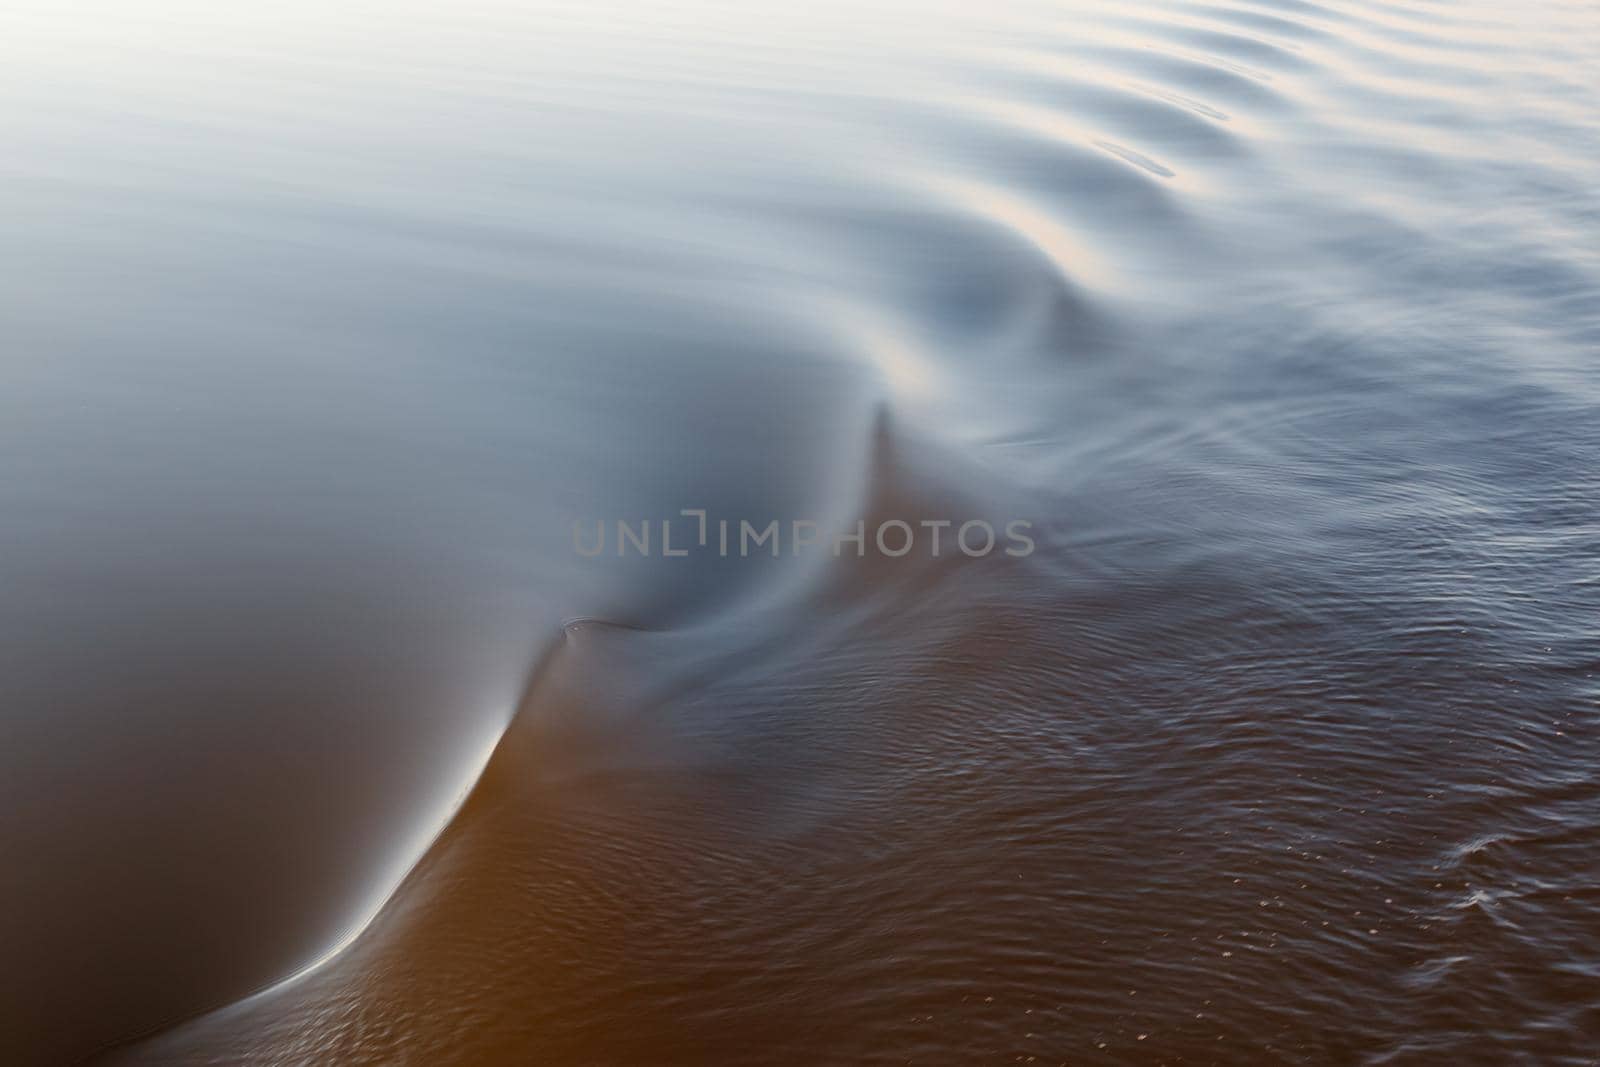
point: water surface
(1278, 319)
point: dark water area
(1277, 320)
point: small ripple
(1138, 159)
(1188, 103)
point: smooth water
(1278, 319)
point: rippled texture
(1278, 318)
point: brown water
(1279, 320)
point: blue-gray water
(1278, 319)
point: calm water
(323, 322)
